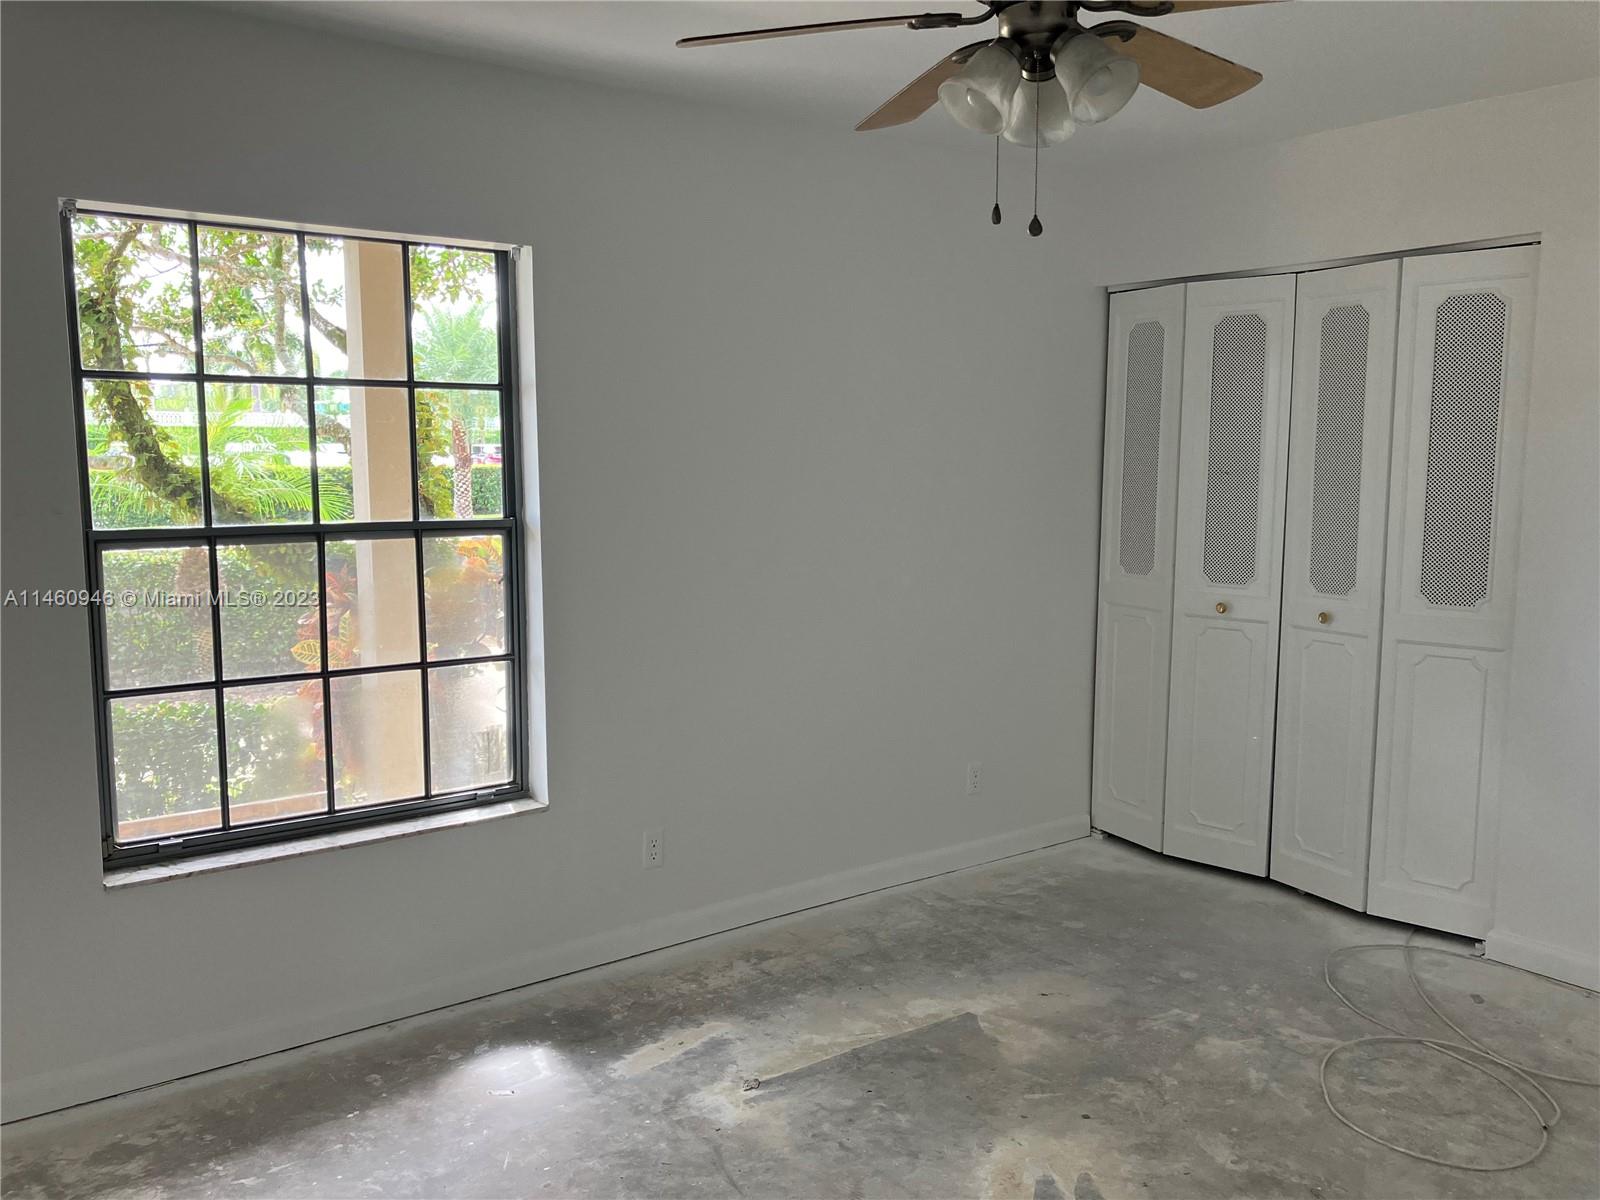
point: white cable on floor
(1449, 1049)
(1470, 1046)
(1411, 971)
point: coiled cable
(1469, 1051)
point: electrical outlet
(652, 848)
(974, 777)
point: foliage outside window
(299, 481)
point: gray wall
(820, 455)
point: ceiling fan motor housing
(1031, 29)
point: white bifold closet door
(1338, 484)
(1133, 645)
(1227, 570)
(1461, 398)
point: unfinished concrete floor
(1087, 1021)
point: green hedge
(149, 643)
(286, 439)
(164, 752)
(122, 504)
(187, 437)
(487, 489)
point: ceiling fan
(1045, 73)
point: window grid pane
(216, 443)
(164, 764)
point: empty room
(748, 598)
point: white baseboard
(150, 1065)
(1543, 958)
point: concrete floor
(1090, 1021)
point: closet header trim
(1524, 239)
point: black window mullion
(416, 511)
(422, 635)
(151, 689)
(411, 385)
(327, 683)
(511, 507)
(291, 828)
(216, 668)
(255, 227)
(207, 517)
(311, 383)
(324, 381)
(182, 534)
(102, 707)
(208, 520)
(97, 622)
(316, 520)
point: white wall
(820, 466)
(1524, 164)
(820, 478)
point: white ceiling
(1328, 63)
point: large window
(300, 503)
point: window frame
(510, 526)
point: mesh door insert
(1336, 455)
(1141, 447)
(1233, 463)
(1463, 435)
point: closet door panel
(1227, 570)
(1338, 486)
(1222, 680)
(1133, 641)
(1466, 334)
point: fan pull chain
(994, 213)
(1035, 226)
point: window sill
(227, 860)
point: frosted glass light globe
(1096, 80)
(979, 95)
(1055, 124)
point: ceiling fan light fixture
(1039, 109)
(980, 94)
(1096, 80)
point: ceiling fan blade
(913, 21)
(918, 96)
(1202, 5)
(1197, 77)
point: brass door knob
(1323, 618)
(1221, 607)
